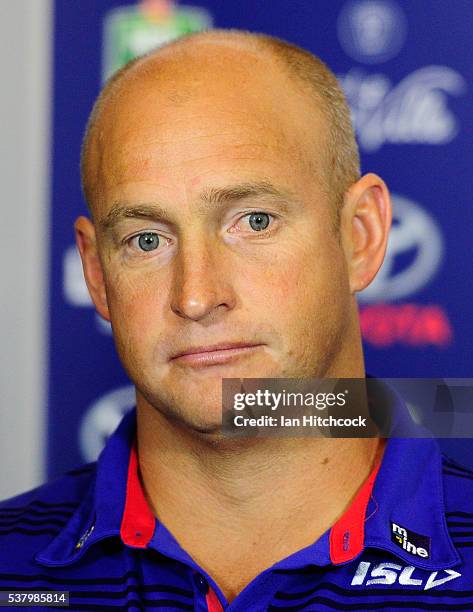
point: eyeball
(258, 221)
(148, 241)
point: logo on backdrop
(414, 255)
(414, 111)
(130, 31)
(372, 31)
(102, 418)
(416, 237)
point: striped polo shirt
(405, 542)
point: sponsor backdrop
(406, 69)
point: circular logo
(414, 253)
(102, 418)
(372, 31)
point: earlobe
(91, 264)
(367, 220)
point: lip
(214, 355)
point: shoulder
(28, 522)
(458, 500)
(66, 489)
(457, 484)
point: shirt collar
(405, 494)
(100, 515)
(405, 490)
(402, 497)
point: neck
(217, 496)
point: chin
(199, 424)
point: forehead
(217, 107)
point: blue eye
(258, 221)
(149, 241)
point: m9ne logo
(410, 541)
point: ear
(366, 220)
(93, 273)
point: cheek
(295, 280)
(304, 294)
(134, 301)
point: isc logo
(390, 573)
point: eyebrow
(210, 199)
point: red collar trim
(138, 520)
(347, 536)
(213, 602)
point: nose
(201, 283)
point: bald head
(188, 69)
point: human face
(216, 238)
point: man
(230, 233)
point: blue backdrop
(406, 68)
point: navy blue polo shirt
(405, 542)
